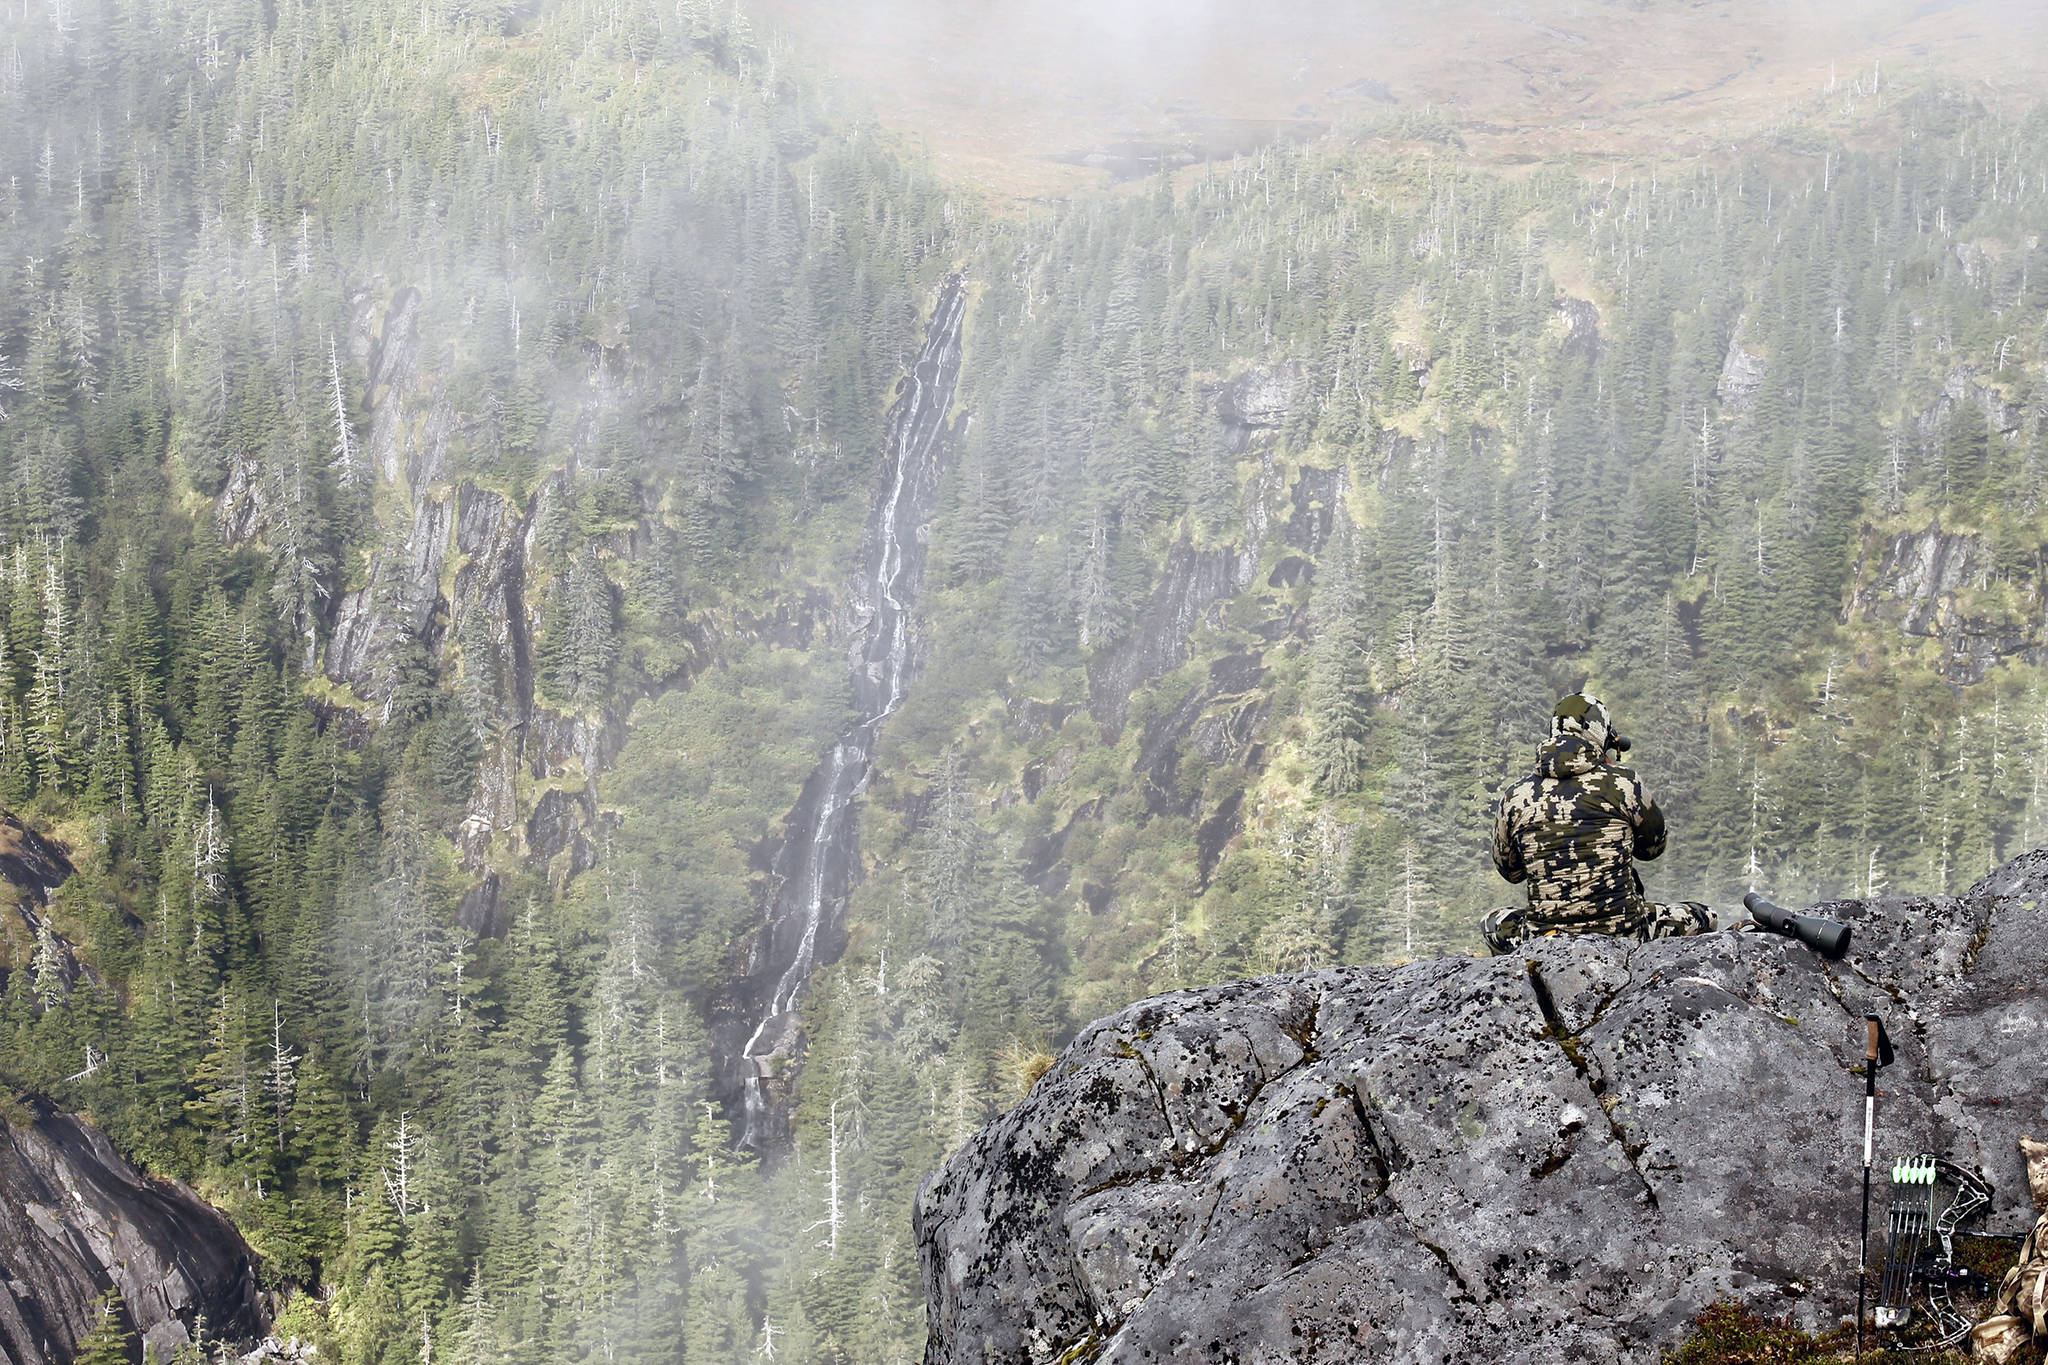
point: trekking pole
(1877, 1052)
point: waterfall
(816, 866)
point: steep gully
(818, 860)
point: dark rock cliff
(76, 1218)
(31, 863)
(1951, 587)
(1558, 1155)
(31, 867)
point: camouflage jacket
(1572, 829)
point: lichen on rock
(1562, 1154)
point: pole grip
(1870, 1033)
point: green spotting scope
(1829, 938)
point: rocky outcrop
(75, 1218)
(1964, 388)
(555, 834)
(1742, 374)
(1948, 586)
(1559, 1155)
(399, 604)
(32, 867)
(393, 366)
(489, 624)
(1254, 405)
(1194, 581)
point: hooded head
(1583, 715)
(1580, 735)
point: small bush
(1990, 1257)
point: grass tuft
(1021, 1062)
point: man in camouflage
(2015, 1329)
(1572, 830)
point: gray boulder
(1559, 1155)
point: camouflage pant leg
(1510, 925)
(1675, 919)
(1507, 926)
(1502, 928)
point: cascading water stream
(815, 867)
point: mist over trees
(1294, 491)
(1693, 437)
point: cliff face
(75, 1218)
(1561, 1154)
(1950, 587)
(31, 867)
(451, 592)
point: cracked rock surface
(1558, 1155)
(76, 1218)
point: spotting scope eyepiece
(1829, 938)
(1621, 744)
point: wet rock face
(1312, 510)
(1558, 1155)
(1939, 584)
(487, 615)
(401, 603)
(393, 368)
(1194, 581)
(555, 834)
(75, 1218)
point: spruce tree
(111, 1341)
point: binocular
(1829, 938)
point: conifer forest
(444, 449)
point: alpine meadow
(619, 662)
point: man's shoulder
(1521, 793)
(1525, 783)
(1621, 778)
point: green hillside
(435, 442)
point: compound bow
(1920, 1248)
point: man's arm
(1648, 821)
(1507, 853)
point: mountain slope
(441, 447)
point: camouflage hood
(1571, 754)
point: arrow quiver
(1919, 1259)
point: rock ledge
(1559, 1155)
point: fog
(528, 376)
(998, 90)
